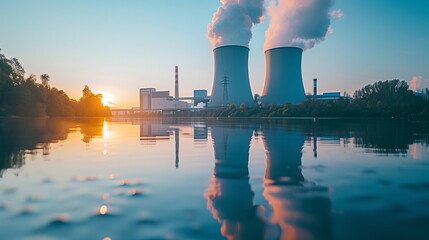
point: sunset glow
(108, 99)
(221, 119)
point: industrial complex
(231, 85)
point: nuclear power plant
(231, 77)
(283, 79)
(231, 84)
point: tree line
(33, 97)
(390, 98)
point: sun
(108, 99)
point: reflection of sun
(108, 99)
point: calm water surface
(213, 179)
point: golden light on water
(103, 210)
(107, 238)
(107, 135)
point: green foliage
(20, 96)
(388, 99)
(381, 99)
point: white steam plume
(418, 83)
(299, 23)
(232, 23)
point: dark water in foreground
(189, 179)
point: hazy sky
(119, 46)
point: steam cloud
(418, 83)
(233, 22)
(299, 23)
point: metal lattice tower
(225, 83)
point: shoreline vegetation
(26, 97)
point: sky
(117, 47)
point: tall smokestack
(231, 77)
(283, 80)
(315, 86)
(176, 92)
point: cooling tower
(283, 80)
(231, 77)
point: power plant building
(150, 99)
(283, 80)
(231, 77)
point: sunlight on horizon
(108, 99)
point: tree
(91, 104)
(22, 96)
(390, 98)
(45, 78)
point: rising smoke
(418, 83)
(233, 22)
(299, 23)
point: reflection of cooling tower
(284, 153)
(300, 211)
(283, 80)
(231, 146)
(230, 196)
(231, 77)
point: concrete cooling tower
(283, 80)
(231, 77)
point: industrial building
(150, 99)
(153, 100)
(325, 96)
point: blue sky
(119, 46)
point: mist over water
(213, 179)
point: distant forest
(391, 98)
(28, 97)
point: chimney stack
(315, 86)
(176, 92)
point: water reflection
(200, 133)
(91, 128)
(151, 132)
(387, 137)
(19, 137)
(276, 200)
(301, 210)
(177, 141)
(230, 196)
